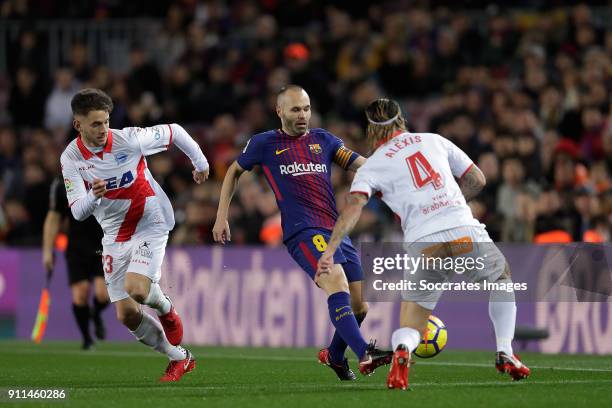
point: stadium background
(523, 90)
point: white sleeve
(363, 182)
(183, 141)
(82, 202)
(158, 138)
(152, 139)
(459, 162)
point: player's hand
(99, 187)
(200, 176)
(326, 261)
(221, 231)
(48, 260)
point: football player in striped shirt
(296, 162)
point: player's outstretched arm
(472, 182)
(346, 222)
(357, 163)
(221, 230)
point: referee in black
(83, 257)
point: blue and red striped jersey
(298, 170)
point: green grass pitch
(125, 375)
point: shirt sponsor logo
(118, 182)
(300, 169)
(84, 168)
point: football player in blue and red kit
(296, 162)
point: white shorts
(142, 254)
(468, 242)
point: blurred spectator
(218, 96)
(170, 43)
(511, 201)
(17, 229)
(27, 99)
(143, 76)
(591, 140)
(486, 205)
(306, 73)
(394, 71)
(249, 220)
(271, 233)
(224, 151)
(58, 113)
(79, 62)
(10, 162)
(27, 51)
(587, 208)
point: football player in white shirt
(105, 174)
(416, 175)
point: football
(434, 340)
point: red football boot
(178, 368)
(343, 371)
(511, 365)
(374, 358)
(398, 374)
(173, 327)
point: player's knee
(102, 296)
(79, 295)
(506, 274)
(333, 282)
(137, 291)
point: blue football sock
(338, 345)
(344, 321)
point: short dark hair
(90, 99)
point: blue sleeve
(251, 154)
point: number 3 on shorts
(319, 242)
(107, 264)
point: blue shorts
(307, 246)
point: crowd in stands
(525, 92)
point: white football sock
(502, 311)
(407, 336)
(157, 300)
(150, 332)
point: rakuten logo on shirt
(300, 169)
